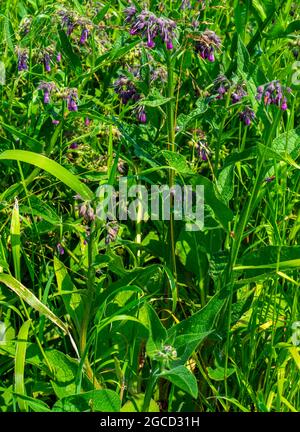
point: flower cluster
(222, 86)
(22, 59)
(70, 21)
(206, 45)
(201, 145)
(126, 90)
(68, 94)
(149, 26)
(47, 88)
(85, 209)
(25, 25)
(247, 116)
(72, 98)
(273, 93)
(167, 352)
(112, 230)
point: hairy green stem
(171, 146)
(90, 294)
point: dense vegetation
(145, 314)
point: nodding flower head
(46, 61)
(247, 116)
(47, 88)
(206, 45)
(25, 25)
(67, 20)
(203, 150)
(58, 57)
(129, 13)
(60, 249)
(221, 86)
(72, 97)
(112, 230)
(86, 211)
(238, 93)
(273, 93)
(141, 114)
(84, 36)
(126, 89)
(149, 26)
(22, 59)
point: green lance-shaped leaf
(26, 295)
(15, 239)
(52, 168)
(21, 347)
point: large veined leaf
(71, 297)
(51, 167)
(188, 334)
(95, 400)
(181, 377)
(157, 332)
(63, 373)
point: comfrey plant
(70, 21)
(206, 44)
(22, 54)
(273, 93)
(247, 116)
(151, 27)
(127, 92)
(47, 88)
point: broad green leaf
(287, 143)
(101, 14)
(218, 374)
(36, 405)
(241, 9)
(155, 100)
(72, 299)
(157, 332)
(181, 377)
(222, 213)
(52, 168)
(185, 121)
(176, 161)
(95, 401)
(225, 183)
(63, 371)
(135, 404)
(188, 334)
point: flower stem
(88, 307)
(171, 146)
